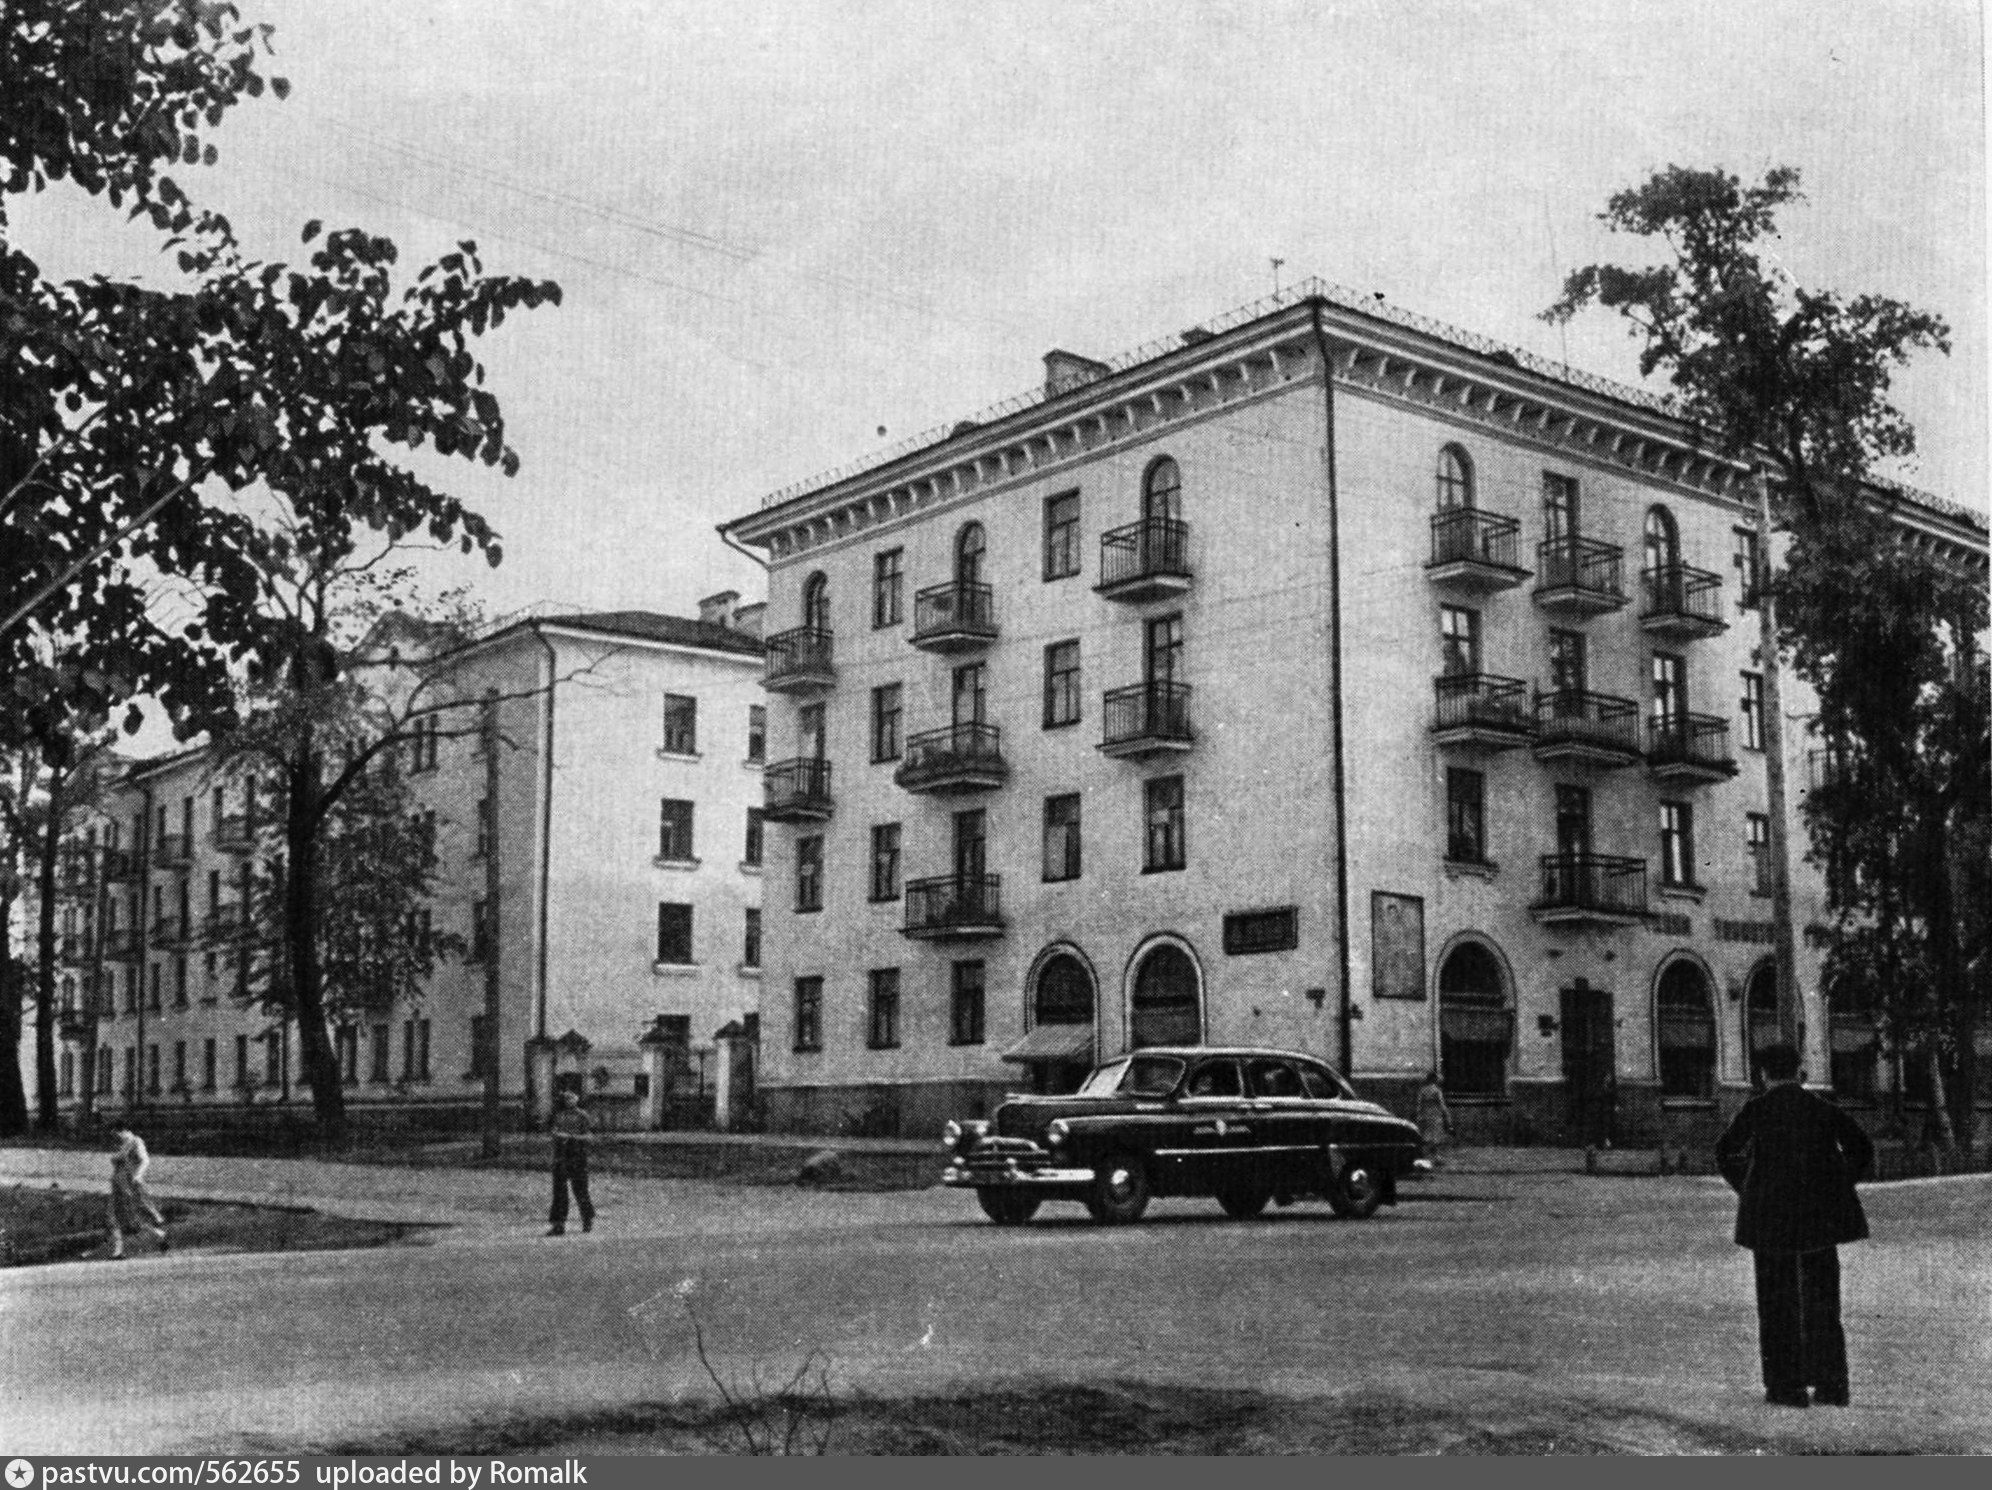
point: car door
(1283, 1120)
(1212, 1127)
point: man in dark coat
(1794, 1158)
(572, 1133)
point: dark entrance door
(1589, 1080)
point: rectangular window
(885, 861)
(808, 1013)
(179, 982)
(152, 1069)
(424, 733)
(1677, 845)
(681, 724)
(415, 1050)
(1752, 704)
(1061, 838)
(1163, 650)
(1758, 831)
(750, 947)
(885, 722)
(1061, 535)
(480, 930)
(346, 1051)
(1466, 816)
(674, 829)
(884, 1023)
(66, 1080)
(756, 836)
(207, 1064)
(757, 732)
(483, 848)
(886, 592)
(1061, 684)
(971, 694)
(1559, 506)
(179, 1065)
(811, 735)
(674, 933)
(242, 1062)
(1566, 661)
(965, 1004)
(1670, 691)
(479, 1056)
(1459, 640)
(152, 989)
(1165, 847)
(1747, 559)
(809, 873)
(1247, 932)
(1573, 820)
(273, 1058)
(382, 1043)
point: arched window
(816, 602)
(1167, 1010)
(1476, 1026)
(1685, 1030)
(1162, 492)
(1455, 479)
(1760, 1014)
(1663, 539)
(969, 546)
(1064, 992)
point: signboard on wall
(1397, 946)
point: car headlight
(1056, 1133)
(956, 1135)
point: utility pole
(1803, 1034)
(488, 726)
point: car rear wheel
(1006, 1208)
(1356, 1192)
(1243, 1204)
(1120, 1191)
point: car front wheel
(1006, 1208)
(1120, 1191)
(1357, 1192)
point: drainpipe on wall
(545, 832)
(1347, 999)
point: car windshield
(1135, 1076)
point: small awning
(1051, 1044)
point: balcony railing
(170, 931)
(122, 944)
(119, 864)
(1825, 767)
(799, 659)
(72, 947)
(955, 758)
(1145, 560)
(235, 832)
(797, 791)
(954, 617)
(1591, 887)
(1577, 725)
(1583, 576)
(954, 906)
(1689, 747)
(1477, 550)
(224, 922)
(1681, 602)
(1147, 719)
(1482, 711)
(172, 848)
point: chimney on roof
(747, 619)
(1064, 371)
(718, 610)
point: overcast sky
(782, 227)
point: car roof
(1192, 1052)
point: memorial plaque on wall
(1397, 946)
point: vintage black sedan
(1243, 1126)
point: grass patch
(54, 1225)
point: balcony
(224, 923)
(954, 906)
(799, 661)
(72, 948)
(1474, 550)
(954, 618)
(171, 931)
(235, 833)
(1146, 720)
(1148, 560)
(1586, 729)
(122, 944)
(1478, 711)
(957, 758)
(798, 791)
(1681, 604)
(172, 849)
(120, 865)
(1598, 889)
(74, 1019)
(1579, 576)
(1824, 768)
(1689, 749)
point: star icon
(20, 1474)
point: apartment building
(626, 838)
(1321, 677)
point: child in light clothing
(131, 1208)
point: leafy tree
(1884, 630)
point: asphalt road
(1543, 1293)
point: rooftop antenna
(1276, 277)
(1556, 269)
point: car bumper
(1008, 1174)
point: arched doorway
(1166, 1007)
(1059, 1049)
(1476, 1022)
(1684, 1032)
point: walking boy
(131, 1208)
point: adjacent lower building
(1322, 677)
(627, 842)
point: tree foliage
(1885, 630)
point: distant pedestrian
(572, 1133)
(1435, 1119)
(131, 1209)
(1794, 1159)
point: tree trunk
(1939, 1107)
(301, 827)
(13, 1101)
(46, 1110)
